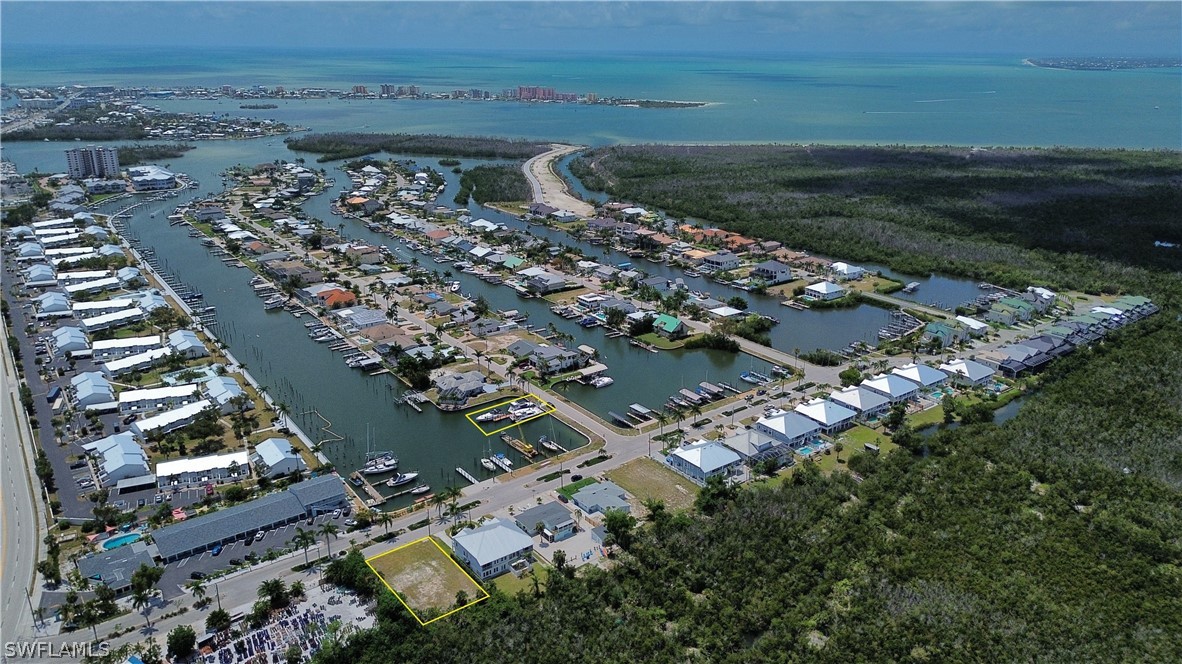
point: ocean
(938, 100)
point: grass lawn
(511, 584)
(929, 417)
(572, 488)
(426, 577)
(645, 478)
(654, 339)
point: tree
(948, 404)
(181, 641)
(217, 620)
(304, 539)
(329, 530)
(275, 592)
(141, 599)
(197, 587)
(385, 519)
(850, 376)
(615, 317)
(715, 495)
(619, 526)
(895, 418)
(737, 302)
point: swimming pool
(116, 542)
(805, 451)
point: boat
(454, 287)
(402, 478)
(548, 444)
(778, 370)
(488, 464)
(274, 302)
(420, 489)
(380, 465)
(911, 287)
(602, 381)
(754, 378)
(503, 461)
(525, 413)
(488, 416)
(357, 481)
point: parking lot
(179, 573)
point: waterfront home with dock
(823, 291)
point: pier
(375, 498)
(466, 475)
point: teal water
(120, 540)
(848, 99)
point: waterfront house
(276, 457)
(601, 497)
(702, 460)
(459, 386)
(211, 469)
(789, 428)
(696, 256)
(721, 261)
(772, 272)
(946, 334)
(187, 343)
(553, 359)
(968, 373)
(974, 327)
(130, 276)
(556, 521)
(866, 403)
(169, 420)
(824, 291)
(846, 272)
(484, 326)
(1000, 313)
(669, 327)
(492, 548)
(893, 387)
(546, 283)
(118, 457)
(921, 374)
(1024, 310)
(831, 415)
(221, 390)
(356, 319)
(1041, 298)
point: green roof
(1017, 303)
(513, 261)
(667, 323)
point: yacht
(754, 377)
(420, 489)
(548, 444)
(488, 464)
(402, 478)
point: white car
(259, 535)
(336, 514)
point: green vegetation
(130, 155)
(346, 145)
(488, 183)
(713, 340)
(1006, 216)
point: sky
(1045, 28)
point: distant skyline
(1034, 29)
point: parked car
(159, 498)
(217, 550)
(350, 522)
(235, 561)
(576, 477)
(336, 514)
(131, 418)
(259, 535)
(197, 576)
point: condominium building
(92, 162)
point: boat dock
(375, 498)
(640, 412)
(793, 304)
(620, 420)
(730, 388)
(466, 475)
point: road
(547, 187)
(22, 520)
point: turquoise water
(913, 99)
(116, 542)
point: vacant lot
(645, 478)
(425, 576)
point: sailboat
(377, 463)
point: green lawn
(654, 339)
(511, 584)
(570, 489)
(927, 418)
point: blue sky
(1012, 28)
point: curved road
(545, 185)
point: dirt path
(547, 187)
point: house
(600, 497)
(789, 428)
(491, 549)
(484, 327)
(114, 319)
(824, 291)
(721, 261)
(552, 359)
(211, 469)
(1023, 310)
(221, 390)
(91, 388)
(69, 340)
(521, 348)
(52, 303)
(118, 457)
(186, 343)
(893, 387)
(772, 272)
(275, 457)
(943, 333)
(921, 374)
(356, 319)
(169, 420)
(546, 282)
(846, 272)
(293, 272)
(555, 520)
(659, 284)
(1041, 298)
(702, 460)
(459, 386)
(831, 415)
(755, 446)
(865, 403)
(113, 349)
(669, 327)
(130, 276)
(974, 327)
(968, 373)
(157, 398)
(115, 567)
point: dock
(466, 475)
(620, 420)
(730, 388)
(793, 304)
(640, 411)
(375, 498)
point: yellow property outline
(547, 409)
(445, 555)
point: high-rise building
(92, 162)
(359, 90)
(389, 90)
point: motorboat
(488, 464)
(386, 463)
(420, 489)
(548, 444)
(525, 413)
(602, 381)
(754, 378)
(402, 478)
(488, 416)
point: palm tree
(141, 599)
(329, 530)
(662, 419)
(303, 539)
(197, 587)
(385, 519)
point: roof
(221, 389)
(170, 392)
(824, 287)
(972, 323)
(170, 417)
(667, 323)
(892, 384)
(200, 464)
(920, 374)
(707, 456)
(318, 490)
(119, 451)
(492, 541)
(825, 412)
(273, 451)
(601, 496)
(201, 531)
(858, 398)
(552, 515)
(790, 424)
(115, 567)
(116, 366)
(974, 371)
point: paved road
(21, 510)
(548, 188)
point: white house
(492, 548)
(118, 458)
(824, 291)
(113, 349)
(137, 362)
(893, 387)
(212, 469)
(275, 457)
(830, 415)
(968, 372)
(702, 460)
(790, 428)
(186, 343)
(220, 390)
(921, 374)
(975, 327)
(720, 261)
(169, 420)
(157, 398)
(847, 272)
(772, 272)
(861, 400)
